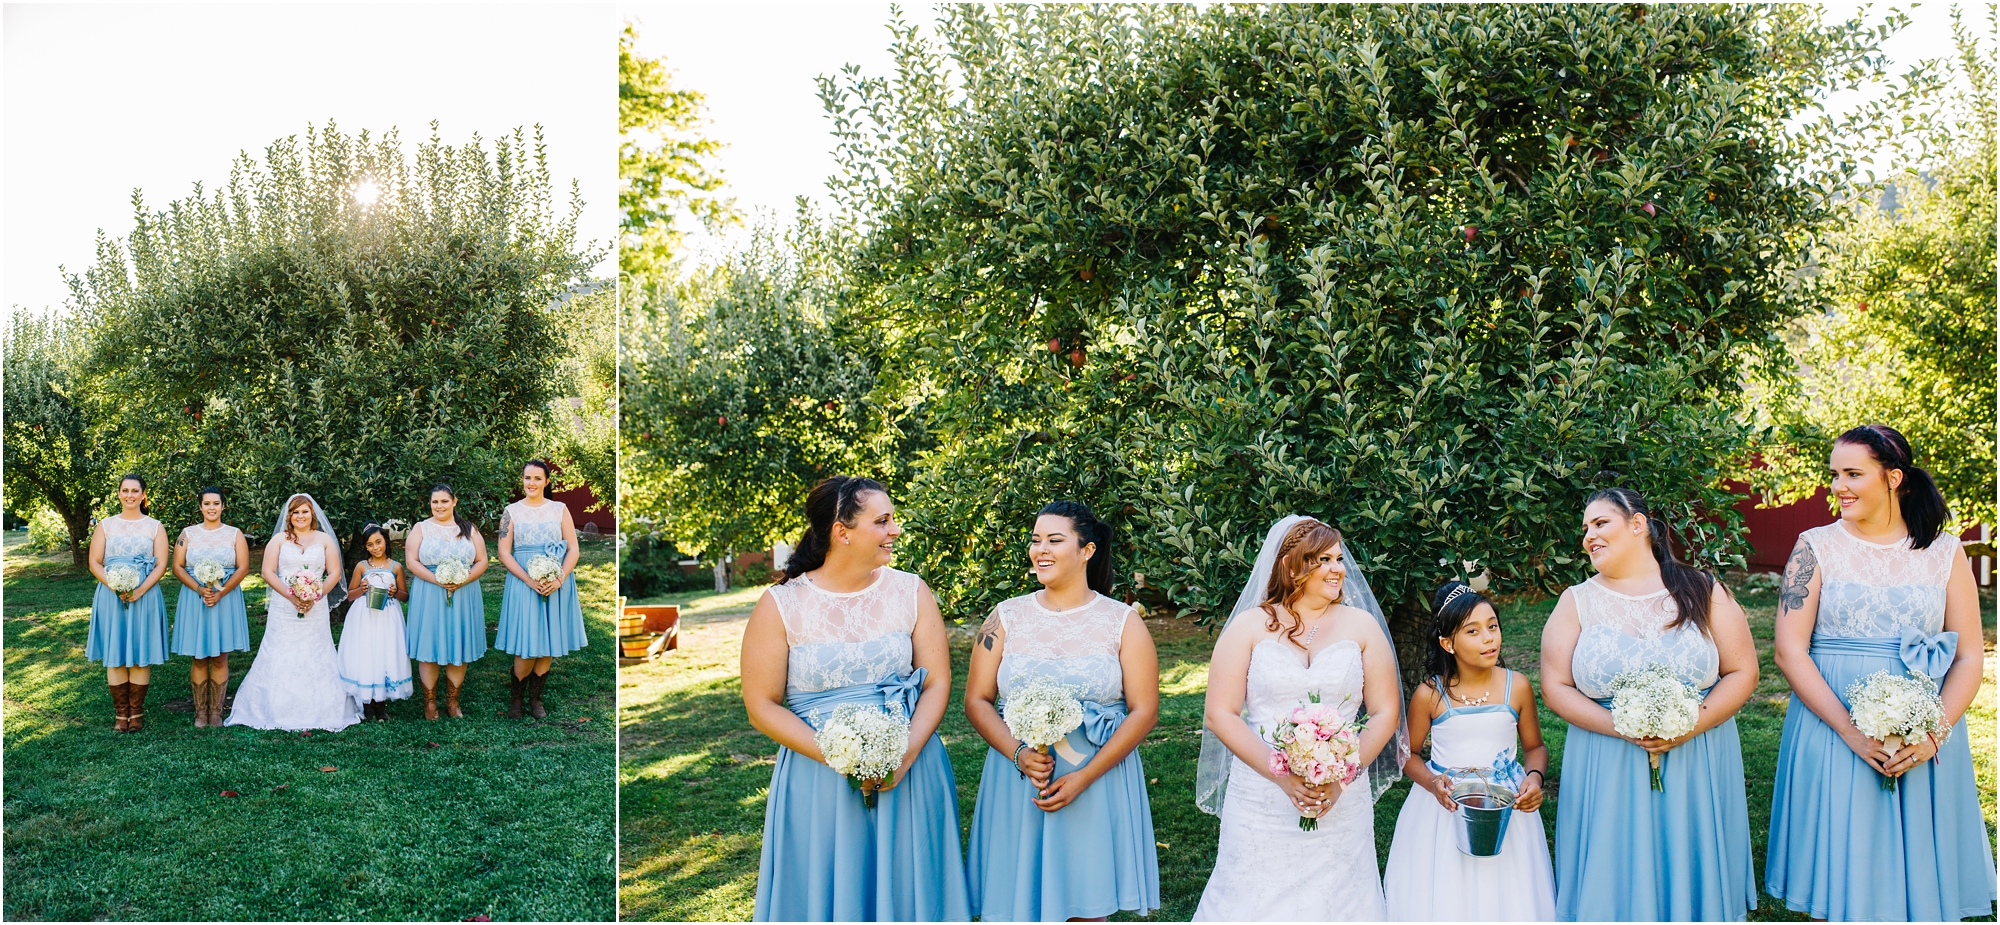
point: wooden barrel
(635, 646)
(631, 623)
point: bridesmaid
(1066, 835)
(128, 632)
(1625, 851)
(210, 621)
(842, 627)
(1881, 589)
(539, 620)
(447, 622)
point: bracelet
(1545, 777)
(1017, 760)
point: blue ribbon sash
(144, 563)
(896, 693)
(1929, 654)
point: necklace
(1473, 701)
(1309, 637)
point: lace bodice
(1622, 632)
(843, 639)
(1280, 679)
(127, 538)
(536, 526)
(1875, 589)
(205, 545)
(1077, 647)
(441, 542)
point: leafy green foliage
(666, 167)
(285, 335)
(582, 427)
(1908, 333)
(1432, 273)
(743, 385)
(61, 430)
(47, 532)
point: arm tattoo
(989, 632)
(1798, 578)
(506, 524)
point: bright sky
(756, 63)
(103, 99)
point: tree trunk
(722, 574)
(78, 523)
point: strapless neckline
(1307, 660)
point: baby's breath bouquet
(210, 573)
(451, 572)
(1650, 703)
(864, 743)
(1893, 710)
(121, 578)
(544, 568)
(1042, 713)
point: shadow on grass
(418, 820)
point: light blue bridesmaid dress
(130, 635)
(1096, 855)
(826, 856)
(202, 631)
(533, 626)
(1842, 848)
(1627, 852)
(441, 633)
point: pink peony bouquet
(1316, 744)
(305, 588)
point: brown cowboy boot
(119, 709)
(517, 686)
(451, 698)
(430, 700)
(218, 691)
(136, 702)
(535, 684)
(200, 704)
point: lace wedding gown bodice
(1076, 647)
(1872, 590)
(1621, 632)
(217, 546)
(840, 639)
(1266, 868)
(294, 682)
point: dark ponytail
(144, 507)
(1690, 587)
(833, 499)
(464, 526)
(1923, 507)
(1089, 529)
(1451, 605)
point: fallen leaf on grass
(279, 787)
(583, 719)
(306, 734)
(230, 793)
(431, 744)
(477, 918)
(328, 768)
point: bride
(1308, 624)
(294, 683)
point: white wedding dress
(1266, 867)
(294, 683)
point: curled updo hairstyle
(361, 540)
(1302, 544)
(1690, 587)
(207, 490)
(291, 532)
(835, 499)
(1089, 530)
(144, 507)
(1923, 507)
(464, 526)
(1451, 605)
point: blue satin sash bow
(1100, 720)
(554, 550)
(1929, 654)
(896, 693)
(143, 563)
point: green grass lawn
(694, 775)
(421, 820)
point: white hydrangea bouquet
(451, 572)
(121, 579)
(210, 573)
(864, 743)
(1650, 703)
(1893, 710)
(1042, 713)
(544, 568)
(1316, 745)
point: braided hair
(1303, 543)
(835, 499)
(1922, 505)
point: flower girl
(1472, 710)
(374, 656)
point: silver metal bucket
(378, 598)
(1483, 813)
